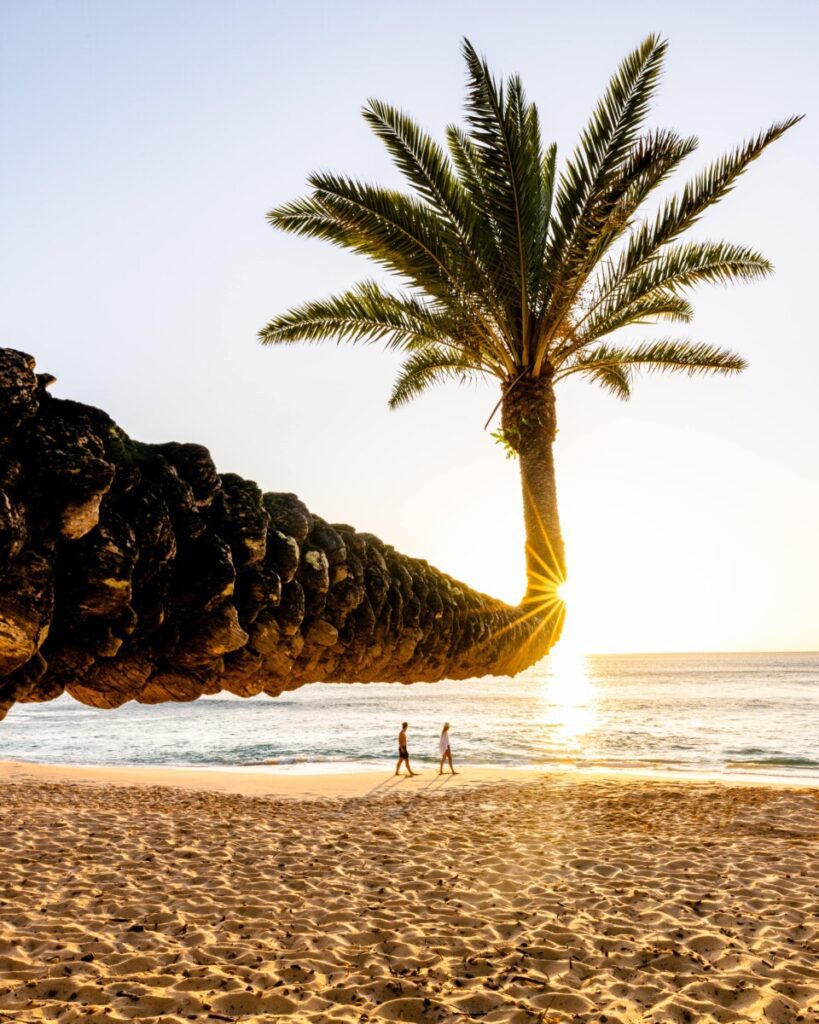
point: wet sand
(510, 897)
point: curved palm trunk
(132, 571)
(530, 426)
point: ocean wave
(773, 762)
(641, 762)
(305, 759)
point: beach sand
(497, 896)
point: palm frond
(548, 174)
(648, 163)
(430, 173)
(432, 364)
(307, 217)
(364, 313)
(645, 309)
(681, 212)
(611, 377)
(395, 230)
(467, 161)
(673, 271)
(683, 266)
(420, 159)
(612, 131)
(663, 355)
(505, 137)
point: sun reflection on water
(567, 700)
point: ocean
(719, 714)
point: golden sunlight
(565, 592)
(567, 696)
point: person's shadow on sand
(437, 782)
(388, 784)
(394, 781)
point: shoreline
(349, 780)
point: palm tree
(512, 270)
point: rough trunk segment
(132, 571)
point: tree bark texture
(133, 571)
(529, 423)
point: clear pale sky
(142, 145)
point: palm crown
(519, 270)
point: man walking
(403, 752)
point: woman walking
(445, 751)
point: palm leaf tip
(614, 379)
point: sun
(565, 592)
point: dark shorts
(403, 753)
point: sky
(142, 146)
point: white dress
(443, 743)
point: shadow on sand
(391, 784)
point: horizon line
(612, 654)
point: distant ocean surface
(723, 714)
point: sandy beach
(496, 897)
